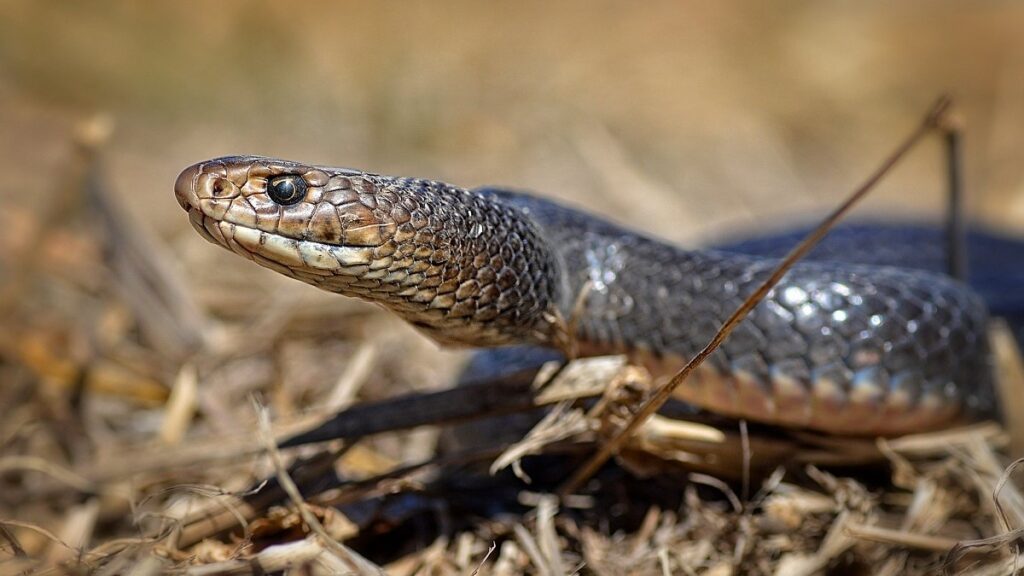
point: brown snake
(839, 348)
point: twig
(507, 394)
(55, 471)
(661, 395)
(285, 558)
(181, 405)
(353, 561)
(900, 537)
(484, 561)
(956, 225)
(351, 380)
(745, 444)
(711, 481)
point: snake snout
(184, 187)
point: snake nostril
(222, 188)
(218, 187)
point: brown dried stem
(931, 121)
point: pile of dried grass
(126, 451)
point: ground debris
(127, 449)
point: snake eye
(286, 190)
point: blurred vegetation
(682, 117)
(689, 119)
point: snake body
(835, 347)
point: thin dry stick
(660, 396)
(745, 444)
(900, 538)
(353, 561)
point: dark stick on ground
(511, 393)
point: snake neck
(460, 268)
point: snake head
(453, 263)
(293, 218)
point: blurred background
(686, 118)
(693, 120)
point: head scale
(455, 264)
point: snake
(842, 348)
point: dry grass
(126, 451)
(209, 492)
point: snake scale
(840, 348)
